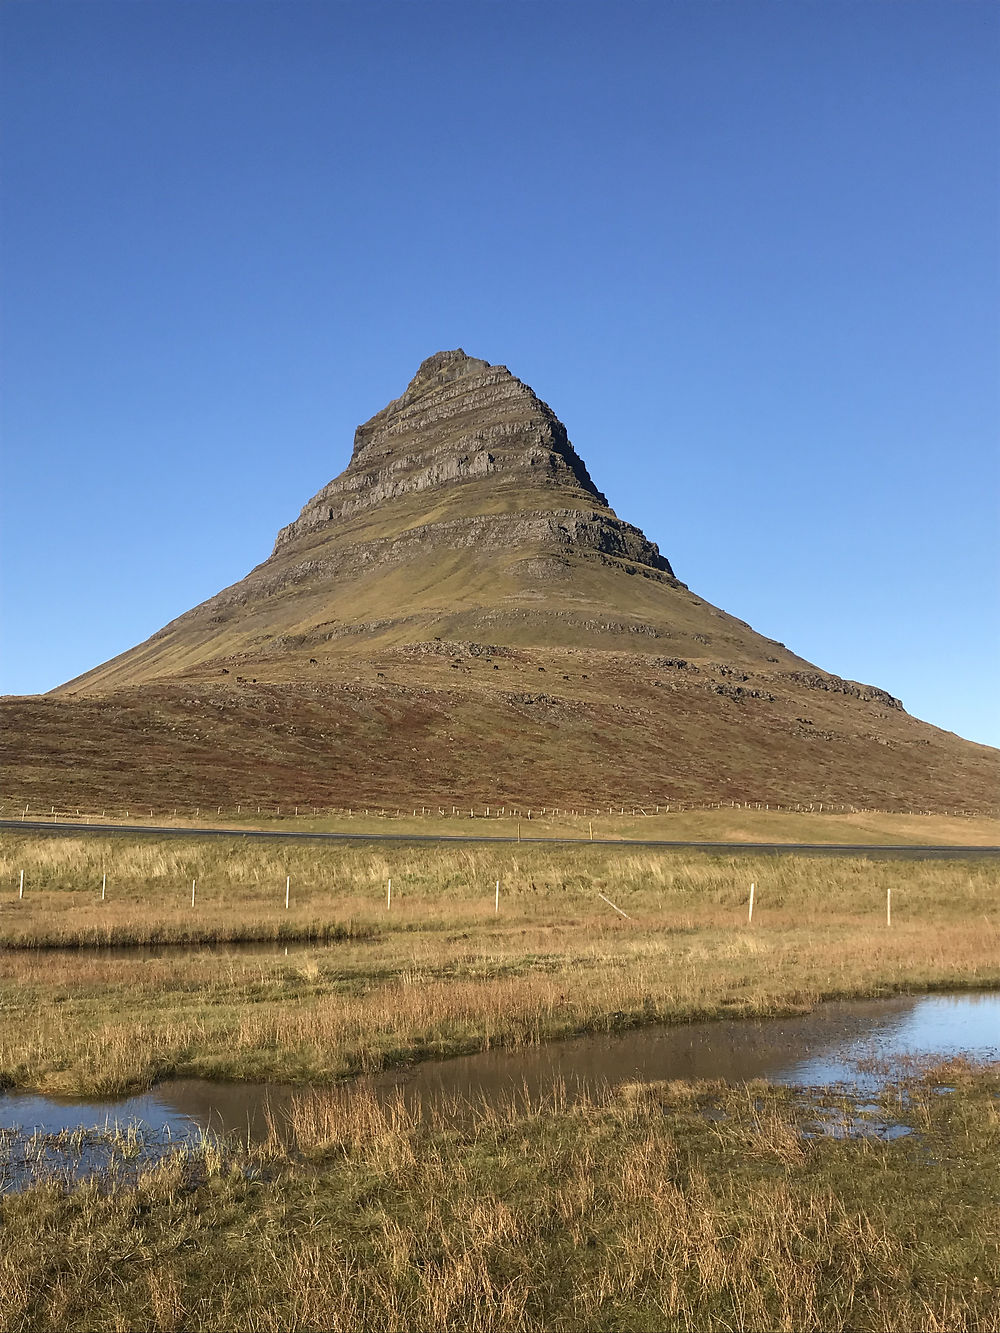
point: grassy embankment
(728, 824)
(636, 1211)
(440, 972)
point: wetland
(433, 1113)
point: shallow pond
(141, 952)
(856, 1044)
(859, 1044)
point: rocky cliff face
(463, 420)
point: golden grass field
(674, 1207)
(440, 970)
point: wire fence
(252, 810)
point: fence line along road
(915, 851)
(135, 810)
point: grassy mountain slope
(461, 616)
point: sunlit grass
(619, 1212)
(440, 971)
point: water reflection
(841, 1042)
(858, 1044)
(183, 1108)
(141, 952)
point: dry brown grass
(441, 972)
(389, 729)
(615, 1213)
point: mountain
(460, 615)
(464, 514)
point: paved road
(913, 851)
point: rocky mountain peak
(441, 368)
(460, 420)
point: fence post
(888, 907)
(288, 885)
(750, 913)
(496, 903)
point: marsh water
(113, 953)
(856, 1045)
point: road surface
(912, 851)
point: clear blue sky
(747, 250)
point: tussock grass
(617, 1213)
(441, 972)
(241, 887)
(112, 1157)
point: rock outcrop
(464, 509)
(463, 420)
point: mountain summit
(463, 420)
(465, 513)
(460, 614)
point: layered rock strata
(460, 615)
(462, 420)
